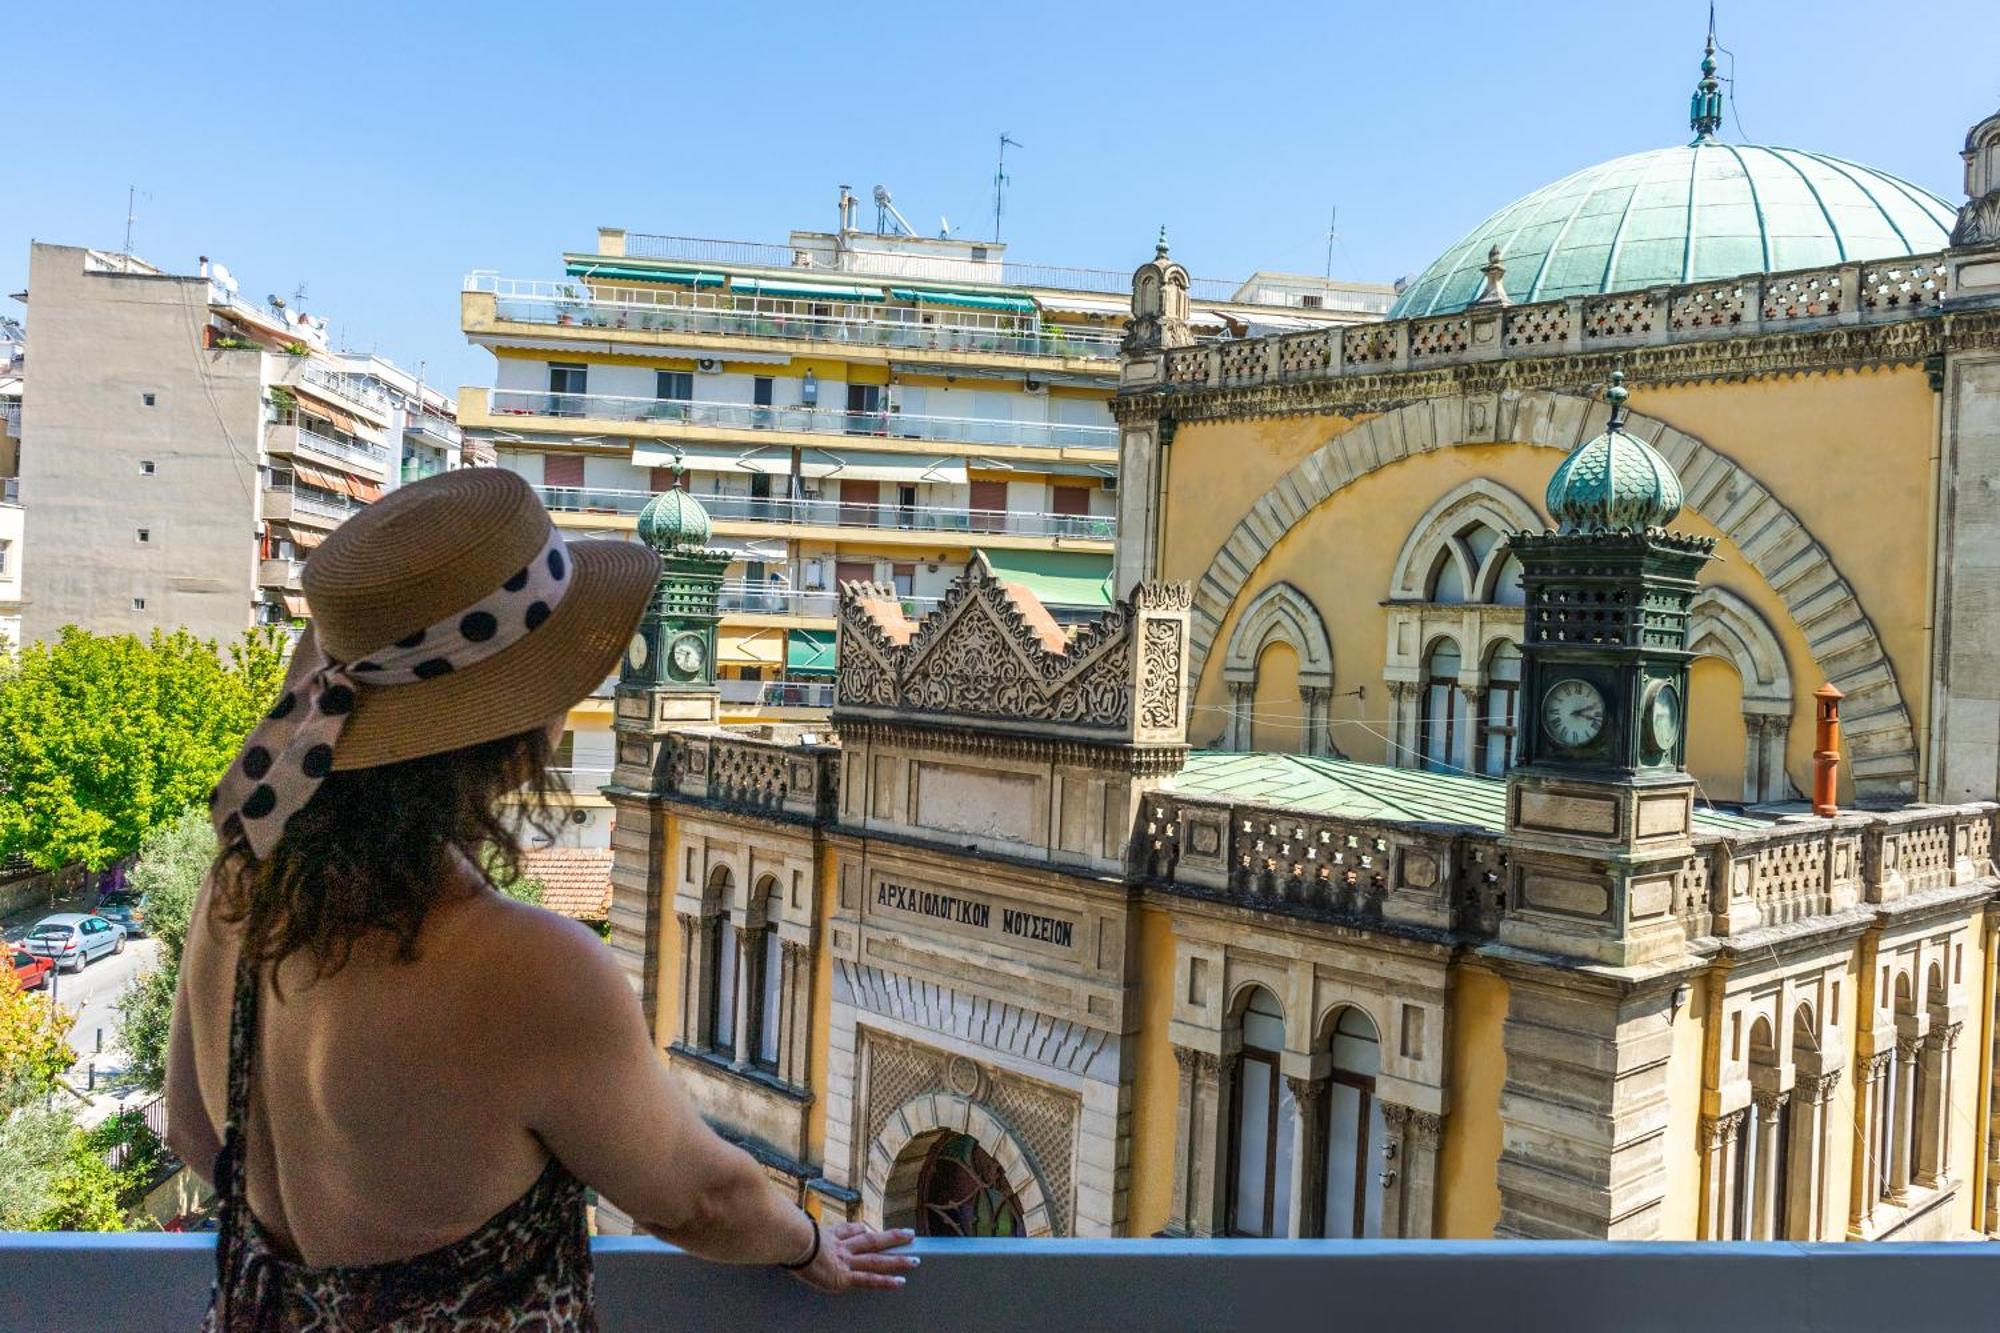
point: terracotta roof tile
(576, 881)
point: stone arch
(1435, 535)
(891, 1182)
(1279, 614)
(1772, 539)
(1723, 625)
(1323, 1025)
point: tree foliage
(108, 736)
(34, 1043)
(173, 858)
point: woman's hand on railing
(855, 1255)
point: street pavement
(92, 996)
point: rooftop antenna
(1000, 178)
(1332, 234)
(131, 194)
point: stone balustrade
(784, 772)
(1860, 293)
(1453, 877)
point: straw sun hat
(448, 613)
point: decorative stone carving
(991, 653)
(1979, 220)
(1159, 305)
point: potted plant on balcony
(569, 300)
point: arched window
(1354, 1133)
(1507, 589)
(722, 985)
(771, 974)
(1448, 583)
(1438, 723)
(1260, 1201)
(1498, 743)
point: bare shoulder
(535, 966)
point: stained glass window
(962, 1191)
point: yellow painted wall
(1155, 1079)
(1716, 735)
(1344, 554)
(667, 985)
(1469, 1156)
(1680, 1217)
(1277, 713)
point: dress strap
(230, 1189)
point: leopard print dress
(528, 1270)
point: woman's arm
(190, 1133)
(608, 1107)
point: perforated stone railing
(782, 775)
(1285, 861)
(1878, 292)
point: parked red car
(29, 970)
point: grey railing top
(113, 1283)
(1861, 293)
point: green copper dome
(1614, 481)
(673, 520)
(1675, 215)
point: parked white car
(71, 939)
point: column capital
(1719, 1130)
(1907, 1047)
(689, 921)
(1817, 1089)
(1946, 1036)
(1768, 1103)
(1307, 1092)
(794, 951)
(1202, 1064)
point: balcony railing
(743, 598)
(529, 301)
(278, 572)
(433, 429)
(10, 490)
(112, 1283)
(10, 415)
(574, 780)
(840, 514)
(807, 420)
(778, 693)
(342, 451)
(353, 388)
(316, 502)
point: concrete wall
(98, 343)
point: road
(92, 995)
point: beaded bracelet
(811, 1254)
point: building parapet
(1455, 877)
(1879, 292)
(789, 772)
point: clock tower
(667, 679)
(1600, 808)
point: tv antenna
(1332, 235)
(131, 216)
(1000, 178)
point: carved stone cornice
(1146, 761)
(1750, 356)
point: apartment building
(11, 362)
(848, 406)
(185, 448)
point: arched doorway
(955, 1171)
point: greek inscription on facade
(947, 907)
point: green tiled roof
(1345, 789)
(1675, 215)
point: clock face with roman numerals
(688, 655)
(1573, 713)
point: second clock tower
(1600, 808)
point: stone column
(1395, 1128)
(1421, 1136)
(1718, 1146)
(1908, 1051)
(693, 945)
(1764, 1189)
(795, 1036)
(1201, 1153)
(1308, 1152)
(1869, 1103)
(1469, 757)
(749, 960)
(1242, 703)
(1319, 738)
(1402, 724)
(1584, 1108)
(1805, 1198)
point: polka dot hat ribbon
(291, 751)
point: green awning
(1058, 578)
(810, 652)
(684, 277)
(803, 291)
(1019, 305)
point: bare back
(391, 1103)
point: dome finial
(1160, 248)
(1616, 395)
(1705, 108)
(1493, 290)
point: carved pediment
(991, 654)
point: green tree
(172, 861)
(83, 1191)
(109, 736)
(34, 1143)
(34, 1044)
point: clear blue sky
(374, 153)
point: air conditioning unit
(1109, 483)
(708, 365)
(579, 816)
(1039, 388)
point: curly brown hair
(372, 850)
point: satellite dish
(222, 278)
(944, 227)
